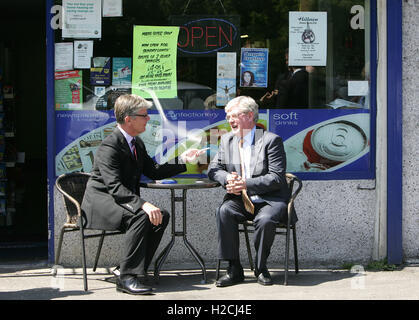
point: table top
(180, 183)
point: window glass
(340, 82)
(306, 63)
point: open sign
(207, 35)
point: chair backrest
(292, 180)
(72, 186)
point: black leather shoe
(233, 276)
(264, 278)
(132, 286)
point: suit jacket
(293, 92)
(267, 165)
(114, 184)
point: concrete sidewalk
(34, 281)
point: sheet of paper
(82, 19)
(307, 38)
(112, 8)
(83, 53)
(63, 56)
(357, 88)
(154, 60)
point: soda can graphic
(339, 141)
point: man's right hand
(154, 213)
(234, 183)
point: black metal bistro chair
(295, 185)
(72, 187)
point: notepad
(166, 181)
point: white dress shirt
(247, 154)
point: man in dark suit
(112, 200)
(292, 90)
(254, 169)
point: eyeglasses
(234, 115)
(139, 115)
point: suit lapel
(256, 147)
(125, 148)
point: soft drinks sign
(205, 36)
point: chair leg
(249, 251)
(294, 240)
(102, 237)
(217, 271)
(60, 242)
(287, 247)
(83, 253)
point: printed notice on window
(307, 38)
(63, 56)
(154, 60)
(82, 19)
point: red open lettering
(207, 36)
(193, 34)
(229, 40)
(187, 37)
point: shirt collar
(126, 135)
(248, 138)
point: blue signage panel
(320, 144)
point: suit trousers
(265, 218)
(141, 241)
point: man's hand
(192, 155)
(235, 183)
(154, 213)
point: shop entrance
(23, 183)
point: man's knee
(272, 215)
(223, 212)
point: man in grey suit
(112, 199)
(261, 155)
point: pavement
(34, 281)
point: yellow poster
(154, 61)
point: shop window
(306, 63)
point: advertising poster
(154, 60)
(325, 140)
(226, 77)
(82, 19)
(100, 73)
(121, 71)
(83, 53)
(68, 90)
(307, 38)
(254, 67)
(79, 134)
(63, 58)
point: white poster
(82, 19)
(63, 56)
(83, 53)
(112, 8)
(307, 38)
(226, 77)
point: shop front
(312, 66)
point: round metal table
(183, 184)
